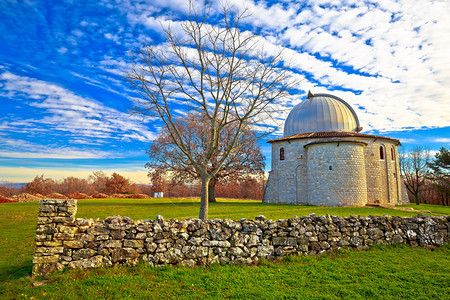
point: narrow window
(281, 153)
(381, 153)
(330, 167)
(392, 153)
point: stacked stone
(54, 225)
(86, 243)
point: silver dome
(321, 113)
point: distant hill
(16, 185)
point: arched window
(381, 153)
(281, 153)
(392, 153)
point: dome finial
(310, 95)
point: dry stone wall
(65, 241)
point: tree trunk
(416, 198)
(204, 198)
(212, 190)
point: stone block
(112, 244)
(67, 229)
(46, 229)
(87, 263)
(151, 247)
(284, 241)
(73, 244)
(236, 251)
(102, 237)
(133, 243)
(83, 253)
(98, 231)
(189, 263)
(62, 219)
(52, 243)
(87, 237)
(63, 236)
(49, 250)
(46, 259)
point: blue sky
(65, 105)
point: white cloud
(62, 50)
(113, 37)
(390, 57)
(396, 53)
(442, 140)
(68, 112)
(16, 148)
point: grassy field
(380, 273)
(436, 209)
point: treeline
(427, 179)
(248, 188)
(99, 185)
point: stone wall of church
(293, 181)
(62, 240)
(383, 175)
(287, 180)
(336, 174)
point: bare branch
(216, 71)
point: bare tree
(414, 168)
(167, 160)
(40, 185)
(98, 181)
(217, 71)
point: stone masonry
(65, 241)
(335, 171)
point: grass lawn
(436, 209)
(380, 273)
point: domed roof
(321, 113)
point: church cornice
(333, 134)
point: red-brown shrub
(140, 196)
(6, 200)
(25, 197)
(99, 195)
(77, 195)
(56, 196)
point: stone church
(323, 159)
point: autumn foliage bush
(140, 196)
(77, 195)
(25, 197)
(6, 200)
(56, 196)
(99, 196)
(99, 185)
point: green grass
(436, 209)
(380, 273)
(233, 209)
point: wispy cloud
(65, 111)
(61, 74)
(442, 140)
(16, 148)
(383, 58)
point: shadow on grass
(15, 272)
(180, 203)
